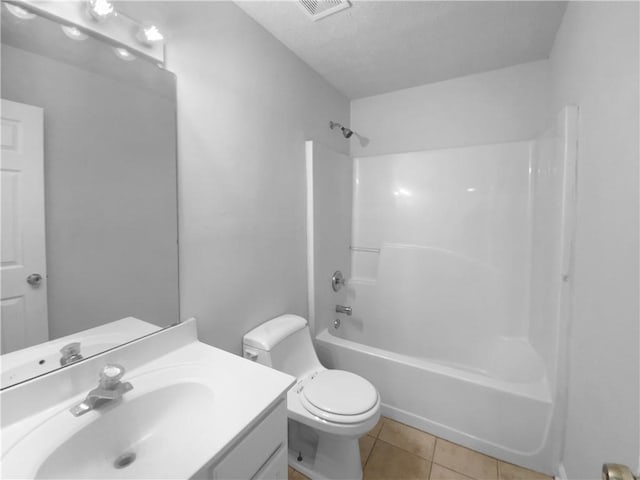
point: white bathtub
(498, 403)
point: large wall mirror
(89, 194)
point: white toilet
(329, 410)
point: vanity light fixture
(124, 54)
(149, 34)
(19, 12)
(74, 33)
(100, 10)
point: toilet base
(324, 456)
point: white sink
(185, 407)
(130, 440)
(143, 435)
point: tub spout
(343, 309)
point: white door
(23, 287)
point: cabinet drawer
(257, 448)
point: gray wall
(499, 106)
(246, 104)
(110, 192)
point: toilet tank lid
(269, 334)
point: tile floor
(394, 451)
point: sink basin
(129, 440)
(140, 437)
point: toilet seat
(338, 396)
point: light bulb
(149, 35)
(74, 33)
(124, 54)
(19, 12)
(100, 9)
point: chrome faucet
(343, 309)
(70, 353)
(110, 389)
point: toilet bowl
(329, 410)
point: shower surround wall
(459, 305)
(438, 242)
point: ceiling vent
(317, 9)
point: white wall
(246, 104)
(595, 66)
(506, 105)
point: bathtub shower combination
(458, 272)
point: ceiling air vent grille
(317, 9)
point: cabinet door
(257, 452)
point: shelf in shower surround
(363, 281)
(364, 264)
(364, 249)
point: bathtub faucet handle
(337, 281)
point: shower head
(346, 132)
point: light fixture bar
(116, 27)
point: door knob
(615, 471)
(34, 279)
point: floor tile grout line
(431, 461)
(428, 461)
(409, 451)
(375, 440)
(430, 465)
(471, 450)
(453, 470)
(444, 440)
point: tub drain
(124, 460)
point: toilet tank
(283, 343)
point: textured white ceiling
(380, 46)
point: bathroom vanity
(82, 396)
(194, 411)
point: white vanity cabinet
(259, 454)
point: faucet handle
(71, 349)
(110, 376)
